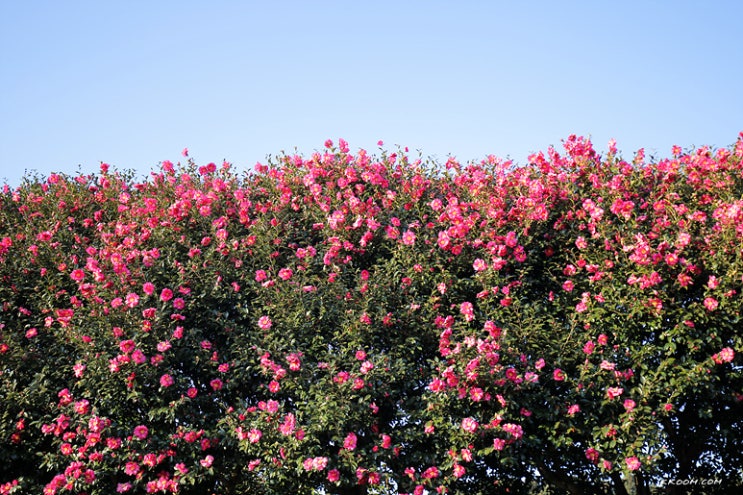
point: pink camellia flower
(476, 394)
(408, 238)
(77, 275)
(573, 409)
(264, 322)
(349, 443)
(82, 406)
(386, 441)
(479, 265)
(607, 366)
(287, 427)
(633, 463)
(334, 475)
(131, 300)
(139, 357)
(558, 375)
(513, 429)
(294, 360)
(96, 424)
(711, 303)
(614, 392)
(127, 346)
(319, 463)
(443, 240)
(65, 397)
(254, 435)
(493, 330)
(437, 385)
(131, 468)
(469, 425)
(431, 473)
(166, 295)
(589, 347)
(141, 432)
(341, 377)
(285, 273)
(582, 305)
(467, 311)
(684, 280)
(466, 455)
(373, 478)
(272, 406)
(592, 455)
(79, 369)
(629, 405)
(366, 367)
(166, 381)
(499, 444)
(569, 270)
(725, 355)
(207, 461)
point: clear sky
(132, 83)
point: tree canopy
(349, 323)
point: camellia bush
(355, 324)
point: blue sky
(132, 83)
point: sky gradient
(133, 83)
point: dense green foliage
(352, 324)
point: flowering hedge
(350, 324)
